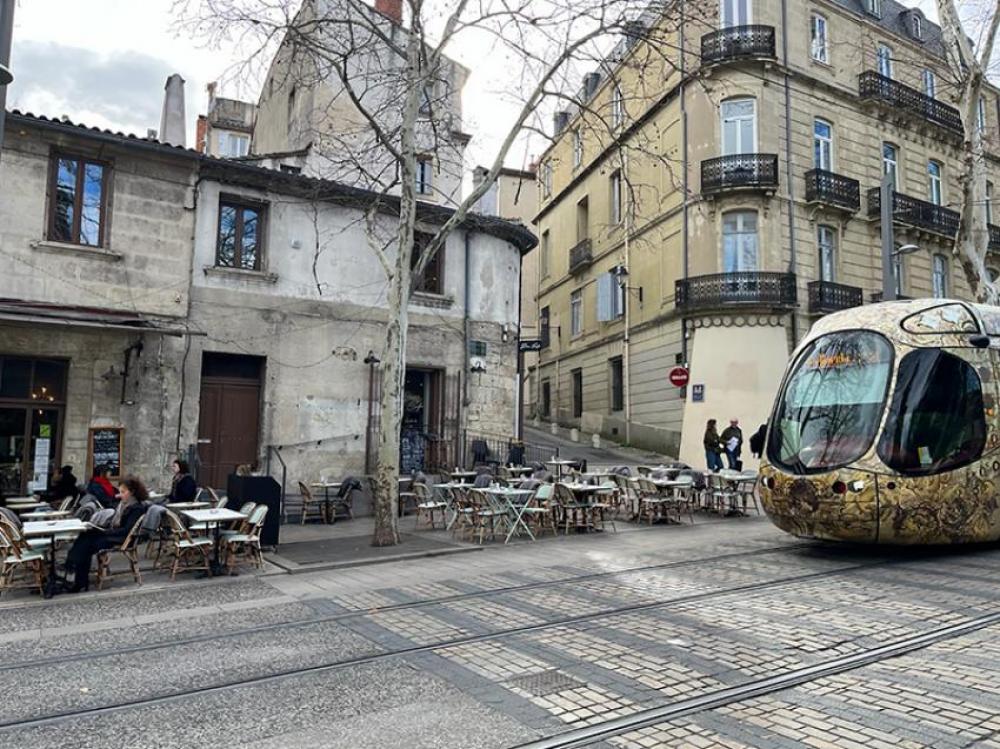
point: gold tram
(886, 430)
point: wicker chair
(427, 506)
(187, 553)
(651, 500)
(129, 548)
(539, 513)
(571, 510)
(15, 555)
(484, 516)
(310, 504)
(246, 543)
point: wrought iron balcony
(826, 296)
(833, 189)
(743, 288)
(742, 171)
(581, 255)
(915, 212)
(994, 236)
(738, 43)
(873, 86)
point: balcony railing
(994, 237)
(580, 255)
(875, 87)
(743, 288)
(877, 297)
(738, 43)
(833, 189)
(743, 171)
(915, 212)
(826, 296)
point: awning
(21, 312)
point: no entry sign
(679, 377)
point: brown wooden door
(228, 427)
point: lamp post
(6, 36)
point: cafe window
(241, 235)
(432, 280)
(78, 201)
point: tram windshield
(828, 412)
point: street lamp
(5, 75)
(905, 249)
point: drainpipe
(519, 417)
(465, 328)
(684, 176)
(788, 156)
(628, 304)
(6, 40)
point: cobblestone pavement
(511, 645)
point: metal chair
(539, 513)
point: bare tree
(968, 65)
(392, 102)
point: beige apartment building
(723, 202)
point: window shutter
(605, 311)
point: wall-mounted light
(504, 333)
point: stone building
(226, 128)
(732, 206)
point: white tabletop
(585, 487)
(22, 503)
(214, 516)
(327, 484)
(46, 514)
(181, 506)
(157, 495)
(503, 490)
(51, 527)
(559, 462)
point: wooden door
(228, 427)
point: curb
(293, 568)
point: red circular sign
(679, 377)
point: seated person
(131, 507)
(183, 487)
(100, 486)
(64, 484)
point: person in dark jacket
(732, 442)
(757, 441)
(131, 507)
(64, 485)
(713, 449)
(183, 487)
(100, 486)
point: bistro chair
(247, 543)
(239, 526)
(602, 508)
(188, 553)
(129, 548)
(539, 513)
(685, 497)
(746, 490)
(651, 500)
(571, 510)
(427, 506)
(464, 522)
(483, 513)
(16, 555)
(310, 504)
(720, 496)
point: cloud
(122, 90)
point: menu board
(105, 448)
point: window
(577, 149)
(547, 179)
(546, 398)
(874, 7)
(477, 348)
(241, 235)
(989, 202)
(992, 273)
(739, 126)
(233, 145)
(617, 107)
(818, 46)
(735, 13)
(616, 197)
(432, 281)
(826, 239)
(425, 172)
(289, 169)
(545, 251)
(576, 312)
(934, 193)
(890, 162)
(543, 327)
(291, 103)
(577, 377)
(823, 145)
(917, 26)
(883, 55)
(897, 274)
(939, 277)
(936, 421)
(610, 297)
(583, 219)
(828, 412)
(981, 114)
(739, 241)
(428, 99)
(617, 384)
(930, 83)
(78, 201)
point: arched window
(826, 241)
(939, 276)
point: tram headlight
(839, 487)
(856, 486)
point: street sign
(679, 377)
(697, 393)
(529, 344)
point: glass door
(42, 448)
(13, 439)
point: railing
(876, 87)
(580, 255)
(423, 451)
(739, 171)
(915, 212)
(826, 296)
(737, 42)
(284, 468)
(833, 189)
(877, 297)
(479, 449)
(740, 288)
(994, 236)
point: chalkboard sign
(105, 448)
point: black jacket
(185, 490)
(757, 441)
(129, 518)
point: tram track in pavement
(401, 606)
(499, 635)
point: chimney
(392, 9)
(173, 128)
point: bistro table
(458, 474)
(560, 464)
(51, 529)
(326, 486)
(46, 515)
(181, 506)
(442, 490)
(214, 517)
(515, 508)
(734, 479)
(23, 507)
(584, 494)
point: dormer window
(917, 26)
(874, 7)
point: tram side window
(936, 421)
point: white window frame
(425, 176)
(826, 243)
(545, 251)
(874, 7)
(918, 26)
(616, 197)
(989, 202)
(576, 313)
(930, 83)
(822, 145)
(731, 10)
(939, 276)
(819, 48)
(935, 182)
(894, 161)
(883, 60)
(547, 179)
(617, 107)
(981, 114)
(737, 120)
(736, 242)
(577, 148)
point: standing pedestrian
(713, 449)
(732, 440)
(757, 441)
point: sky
(105, 62)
